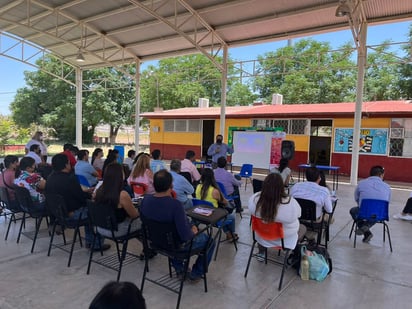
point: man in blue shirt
(162, 207)
(84, 168)
(372, 187)
(156, 164)
(181, 185)
(219, 149)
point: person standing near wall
(219, 149)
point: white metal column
(79, 106)
(137, 108)
(359, 100)
(223, 94)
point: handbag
(318, 267)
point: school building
(322, 133)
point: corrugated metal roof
(329, 110)
(123, 31)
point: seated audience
(406, 213)
(156, 164)
(9, 175)
(131, 154)
(111, 192)
(97, 160)
(229, 181)
(112, 157)
(311, 190)
(32, 182)
(372, 187)
(181, 185)
(163, 208)
(272, 204)
(69, 151)
(283, 170)
(38, 139)
(142, 173)
(63, 182)
(208, 190)
(189, 166)
(84, 168)
(35, 154)
(121, 295)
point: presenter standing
(219, 149)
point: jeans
(361, 223)
(228, 224)
(198, 242)
(87, 229)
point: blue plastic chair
(83, 180)
(246, 172)
(230, 198)
(373, 211)
(219, 224)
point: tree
(307, 72)
(405, 71)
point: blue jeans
(197, 269)
(228, 224)
(87, 229)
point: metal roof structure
(115, 32)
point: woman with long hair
(283, 170)
(272, 204)
(208, 190)
(97, 160)
(111, 192)
(8, 175)
(112, 157)
(141, 173)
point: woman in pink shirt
(142, 173)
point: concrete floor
(369, 276)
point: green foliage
(405, 71)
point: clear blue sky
(12, 78)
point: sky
(12, 77)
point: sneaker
(367, 236)
(403, 217)
(194, 278)
(362, 230)
(260, 257)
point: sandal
(230, 238)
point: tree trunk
(113, 134)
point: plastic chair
(26, 204)
(10, 208)
(163, 238)
(56, 207)
(139, 188)
(375, 211)
(257, 185)
(230, 198)
(219, 225)
(246, 172)
(309, 219)
(269, 231)
(103, 216)
(83, 181)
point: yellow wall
(301, 141)
(176, 138)
(365, 123)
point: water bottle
(304, 268)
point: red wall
(396, 169)
(171, 151)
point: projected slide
(252, 147)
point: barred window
(180, 125)
(281, 123)
(396, 147)
(298, 126)
(194, 125)
(169, 125)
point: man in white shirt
(311, 190)
(188, 166)
(131, 154)
(34, 152)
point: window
(400, 143)
(182, 125)
(293, 126)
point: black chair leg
(51, 239)
(72, 246)
(38, 223)
(250, 258)
(122, 257)
(91, 254)
(23, 223)
(13, 217)
(218, 242)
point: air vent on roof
(203, 102)
(277, 99)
